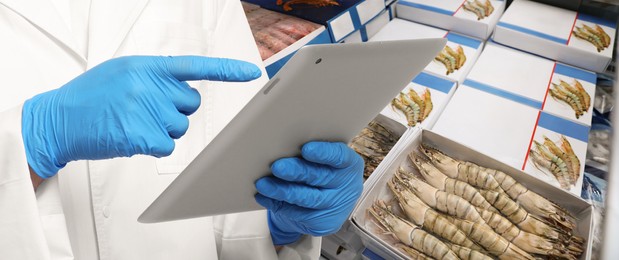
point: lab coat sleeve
(246, 235)
(21, 233)
(32, 226)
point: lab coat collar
(110, 22)
(44, 16)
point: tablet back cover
(325, 92)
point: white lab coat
(89, 210)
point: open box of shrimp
(564, 35)
(439, 198)
(420, 103)
(476, 18)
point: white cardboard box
(506, 129)
(548, 31)
(441, 91)
(399, 29)
(381, 245)
(370, 29)
(527, 79)
(450, 15)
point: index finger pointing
(185, 68)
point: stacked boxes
(559, 34)
(531, 80)
(476, 18)
(470, 48)
(511, 101)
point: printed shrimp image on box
(592, 34)
(573, 95)
(598, 37)
(570, 94)
(421, 101)
(415, 107)
(452, 58)
(557, 158)
(557, 152)
(479, 8)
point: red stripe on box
(549, 82)
(572, 30)
(459, 7)
(526, 158)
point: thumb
(185, 68)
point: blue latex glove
(122, 107)
(311, 195)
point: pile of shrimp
(373, 144)
(452, 209)
(560, 160)
(416, 108)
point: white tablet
(324, 92)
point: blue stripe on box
(576, 73)
(272, 69)
(463, 40)
(434, 82)
(354, 15)
(364, 34)
(371, 255)
(564, 127)
(532, 32)
(427, 7)
(505, 94)
(597, 20)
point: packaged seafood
(279, 36)
(567, 36)
(550, 86)
(509, 131)
(341, 17)
(476, 18)
(453, 63)
(421, 102)
(540, 198)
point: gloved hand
(122, 107)
(313, 195)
